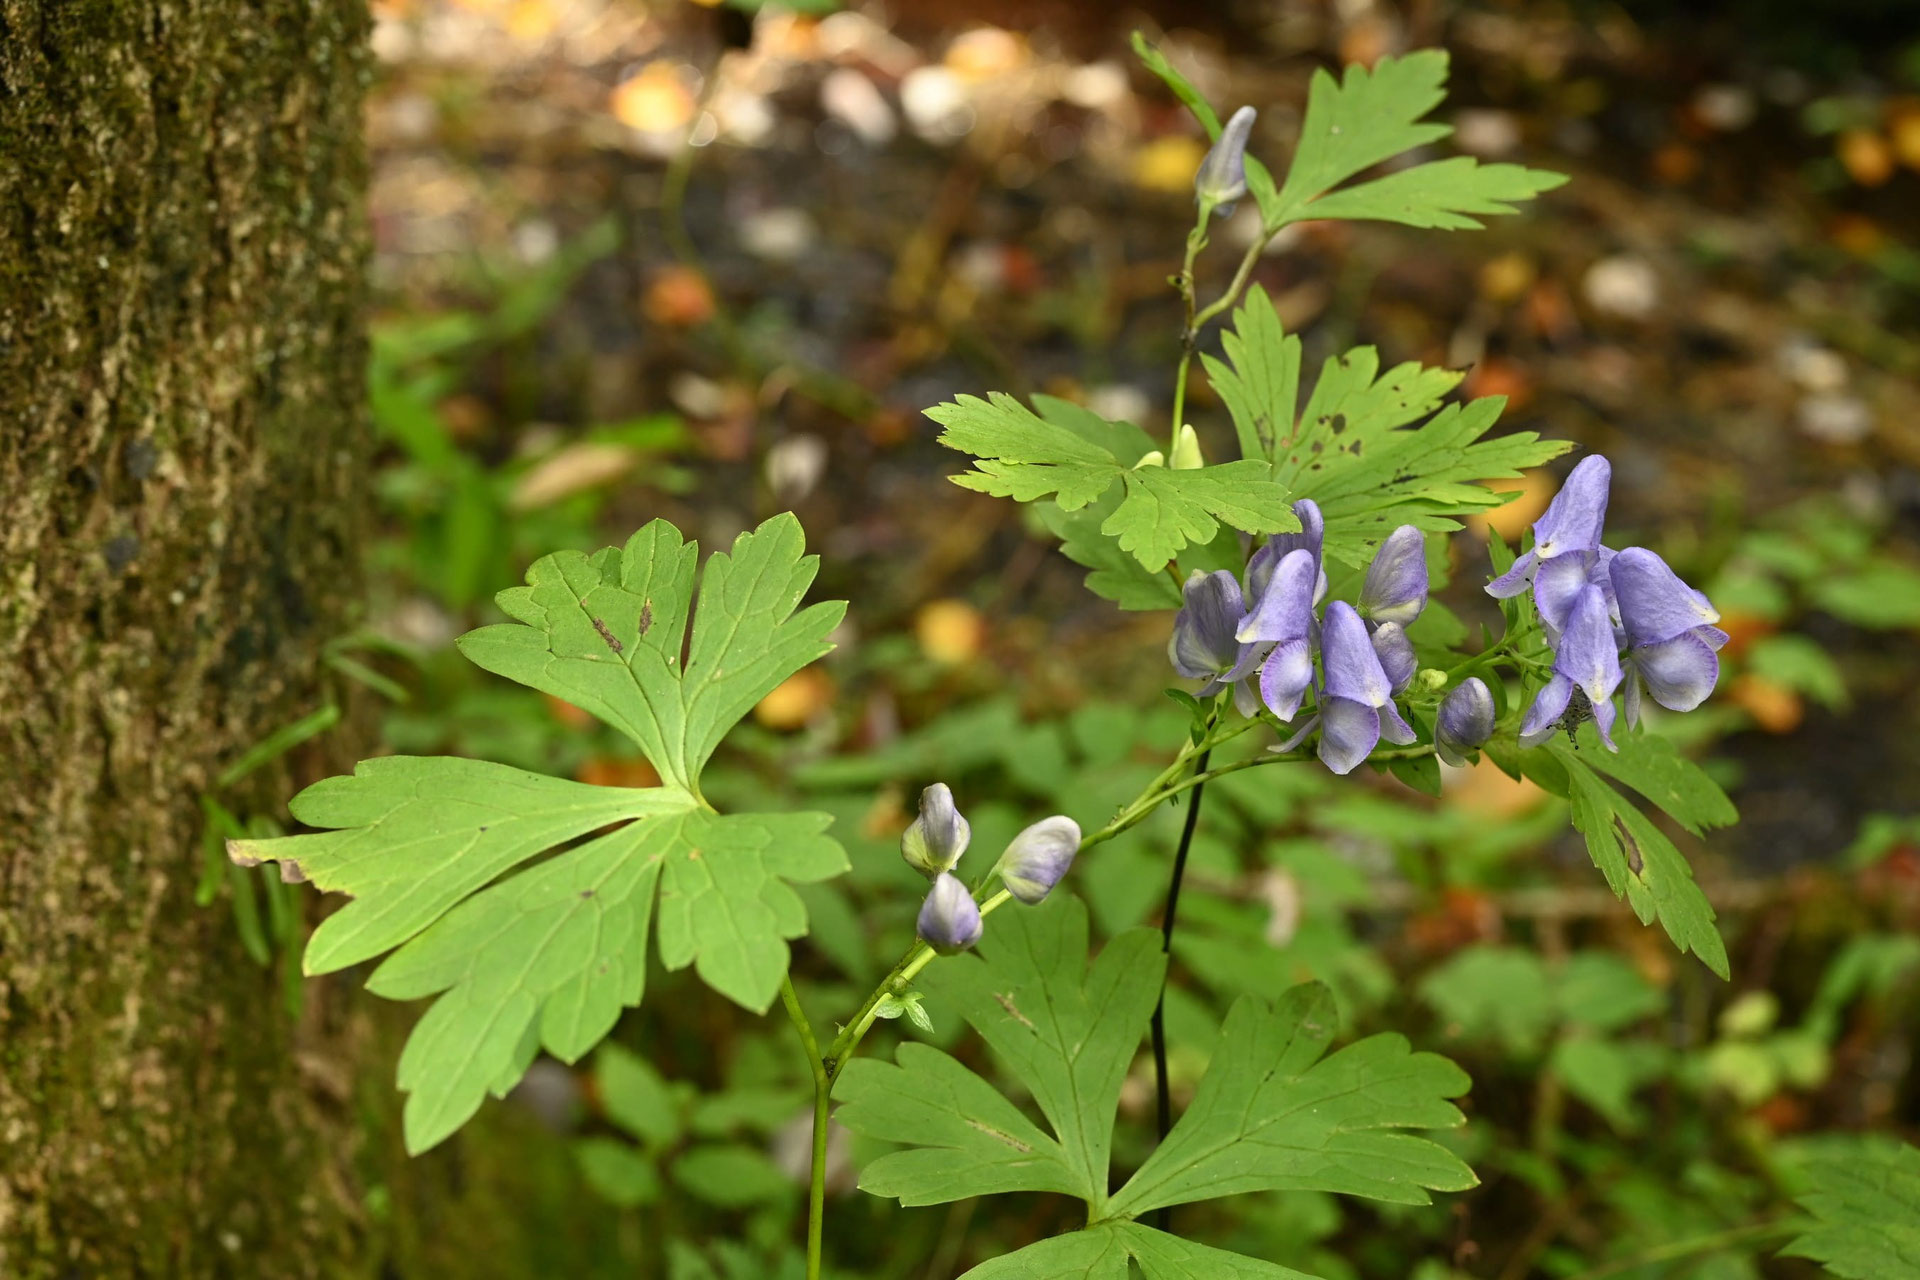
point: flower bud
(1396, 585)
(1223, 174)
(1466, 721)
(1186, 451)
(1038, 857)
(1395, 651)
(937, 838)
(1431, 679)
(950, 919)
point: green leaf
(1373, 115)
(1654, 767)
(1355, 454)
(1498, 993)
(635, 1097)
(621, 1173)
(1260, 380)
(1101, 1253)
(1883, 594)
(1637, 859)
(549, 956)
(1868, 1214)
(1068, 1031)
(605, 633)
(731, 1177)
(1800, 663)
(1440, 195)
(1112, 573)
(1604, 1075)
(1273, 1115)
(1023, 456)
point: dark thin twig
(1162, 1096)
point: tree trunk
(181, 451)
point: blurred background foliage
(657, 259)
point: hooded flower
(1466, 721)
(1311, 537)
(1356, 705)
(1203, 646)
(1586, 671)
(1283, 619)
(1396, 585)
(1038, 857)
(950, 919)
(1222, 178)
(1571, 523)
(934, 841)
(1395, 651)
(1672, 644)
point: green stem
(822, 1092)
(1751, 1232)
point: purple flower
(1466, 721)
(1396, 585)
(1586, 671)
(1222, 178)
(1038, 857)
(1395, 651)
(1356, 705)
(934, 841)
(1203, 646)
(1672, 644)
(1558, 582)
(1283, 619)
(950, 919)
(1310, 538)
(1572, 522)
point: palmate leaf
(1867, 1210)
(1024, 456)
(1374, 115)
(1636, 857)
(549, 956)
(1272, 1113)
(1356, 448)
(1102, 1253)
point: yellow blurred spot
(1168, 164)
(531, 20)
(986, 52)
(1536, 489)
(1485, 789)
(1857, 234)
(1774, 707)
(950, 631)
(1507, 277)
(657, 99)
(576, 468)
(796, 700)
(1904, 132)
(1866, 156)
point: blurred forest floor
(587, 323)
(884, 212)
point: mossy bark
(181, 377)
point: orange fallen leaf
(566, 713)
(679, 298)
(950, 631)
(657, 99)
(1485, 788)
(1536, 489)
(1496, 377)
(796, 700)
(1866, 156)
(617, 773)
(1774, 707)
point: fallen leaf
(795, 700)
(575, 468)
(950, 631)
(1774, 707)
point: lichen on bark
(181, 368)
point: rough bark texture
(181, 276)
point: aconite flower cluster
(1613, 621)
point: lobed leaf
(1273, 1115)
(1867, 1214)
(1102, 1251)
(549, 956)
